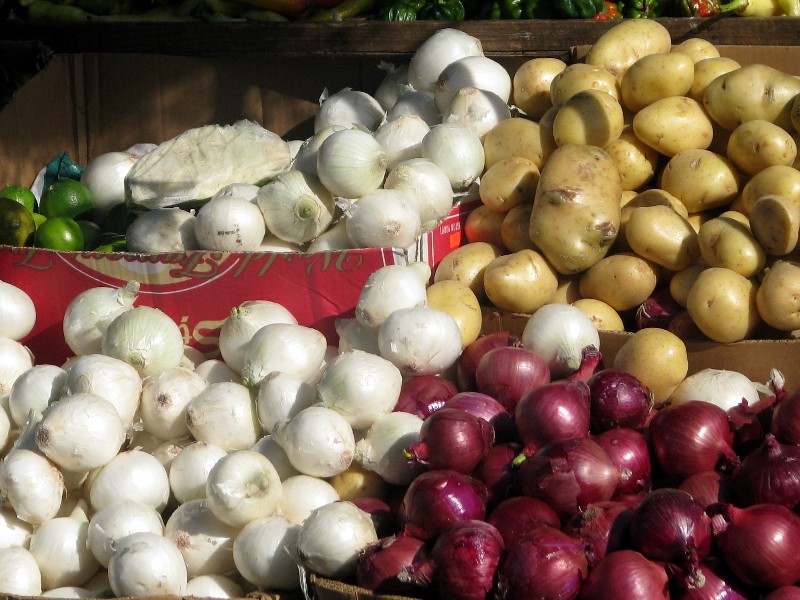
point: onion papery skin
(552, 412)
(438, 498)
(712, 580)
(484, 406)
(496, 470)
(603, 527)
(547, 563)
(380, 565)
(425, 394)
(658, 310)
(468, 361)
(692, 437)
(515, 517)
(770, 473)
(708, 488)
(785, 422)
(618, 399)
(569, 475)
(383, 518)
(508, 373)
(453, 439)
(629, 450)
(626, 574)
(669, 525)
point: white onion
(17, 312)
(331, 538)
(306, 158)
(480, 110)
(15, 359)
(427, 185)
(402, 138)
(386, 290)
(725, 388)
(377, 450)
(131, 475)
(243, 486)
(60, 549)
(213, 586)
(90, 312)
(115, 521)
(215, 370)
(104, 175)
(35, 390)
(354, 336)
(436, 52)
(351, 163)
(384, 218)
(415, 102)
(272, 243)
(242, 323)
(458, 150)
(282, 395)
(349, 108)
(393, 84)
(420, 340)
(147, 564)
(288, 347)
(19, 573)
(479, 72)
(32, 485)
(248, 191)
(168, 450)
(189, 471)
(301, 494)
(145, 338)
(318, 441)
(99, 585)
(205, 542)
(277, 456)
(164, 399)
(162, 230)
(335, 238)
(69, 591)
(80, 432)
(265, 551)
(224, 414)
(13, 530)
(229, 223)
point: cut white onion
(386, 290)
(162, 230)
(402, 138)
(213, 586)
(19, 572)
(104, 175)
(349, 108)
(318, 441)
(301, 494)
(280, 396)
(415, 102)
(90, 312)
(224, 414)
(164, 399)
(15, 359)
(132, 475)
(393, 84)
(205, 542)
(229, 223)
(427, 184)
(17, 312)
(35, 390)
(351, 163)
(110, 524)
(147, 564)
(354, 336)
(32, 485)
(458, 150)
(725, 388)
(480, 110)
(243, 486)
(60, 549)
(277, 456)
(384, 218)
(13, 530)
(479, 72)
(189, 471)
(436, 52)
(377, 450)
(286, 347)
(265, 554)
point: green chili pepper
(442, 10)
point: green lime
(21, 194)
(66, 198)
(91, 231)
(38, 219)
(59, 233)
(16, 223)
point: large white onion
(428, 185)
(401, 138)
(162, 230)
(35, 390)
(282, 395)
(104, 175)
(414, 102)
(386, 290)
(13, 530)
(164, 399)
(376, 451)
(436, 52)
(277, 456)
(301, 494)
(384, 218)
(393, 84)
(116, 521)
(132, 475)
(189, 470)
(147, 564)
(458, 150)
(19, 572)
(61, 551)
(32, 485)
(479, 72)
(229, 223)
(264, 553)
(349, 108)
(15, 359)
(89, 314)
(224, 414)
(480, 110)
(351, 163)
(292, 348)
(17, 312)
(213, 586)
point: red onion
(685, 328)
(770, 473)
(692, 437)
(552, 412)
(617, 399)
(507, 373)
(451, 438)
(658, 310)
(669, 525)
(382, 516)
(436, 499)
(424, 394)
(626, 574)
(468, 361)
(569, 475)
(591, 361)
(708, 487)
(603, 527)
(712, 580)
(516, 517)
(785, 592)
(785, 424)
(547, 563)
(629, 451)
(760, 543)
(497, 471)
(486, 407)
(379, 565)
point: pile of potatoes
(643, 166)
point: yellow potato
(779, 180)
(618, 48)
(697, 48)
(681, 282)
(508, 183)
(654, 77)
(568, 290)
(672, 125)
(701, 179)
(483, 225)
(578, 77)
(531, 85)
(514, 229)
(520, 282)
(623, 280)
(459, 301)
(657, 357)
(602, 315)
(775, 223)
(726, 242)
(649, 197)
(467, 264)
(722, 304)
(778, 297)
(635, 160)
(755, 145)
(706, 71)
(591, 117)
(661, 235)
(520, 137)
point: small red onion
(692, 437)
(383, 518)
(785, 424)
(516, 517)
(547, 563)
(658, 310)
(685, 328)
(785, 592)
(669, 525)
(629, 451)
(497, 471)
(760, 543)
(424, 394)
(617, 399)
(770, 473)
(591, 361)
(712, 580)
(451, 438)
(468, 361)
(603, 527)
(708, 487)
(507, 373)
(569, 475)
(436, 499)
(626, 574)
(486, 407)
(379, 566)
(553, 411)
